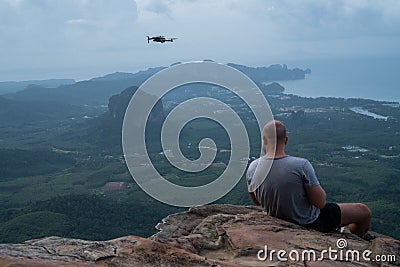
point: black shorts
(328, 220)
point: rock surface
(212, 235)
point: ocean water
(370, 78)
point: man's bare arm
(253, 197)
(317, 196)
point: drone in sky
(160, 39)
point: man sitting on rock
(290, 190)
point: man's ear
(286, 140)
(264, 141)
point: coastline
(362, 78)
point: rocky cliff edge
(211, 235)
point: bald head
(274, 129)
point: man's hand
(317, 196)
(253, 197)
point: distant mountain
(272, 73)
(90, 93)
(12, 111)
(12, 87)
(272, 88)
(105, 131)
(94, 92)
(139, 76)
(114, 76)
(97, 91)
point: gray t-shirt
(281, 192)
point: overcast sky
(82, 39)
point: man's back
(282, 192)
(288, 188)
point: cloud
(337, 19)
(65, 32)
(41, 16)
(92, 33)
(76, 21)
(154, 6)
